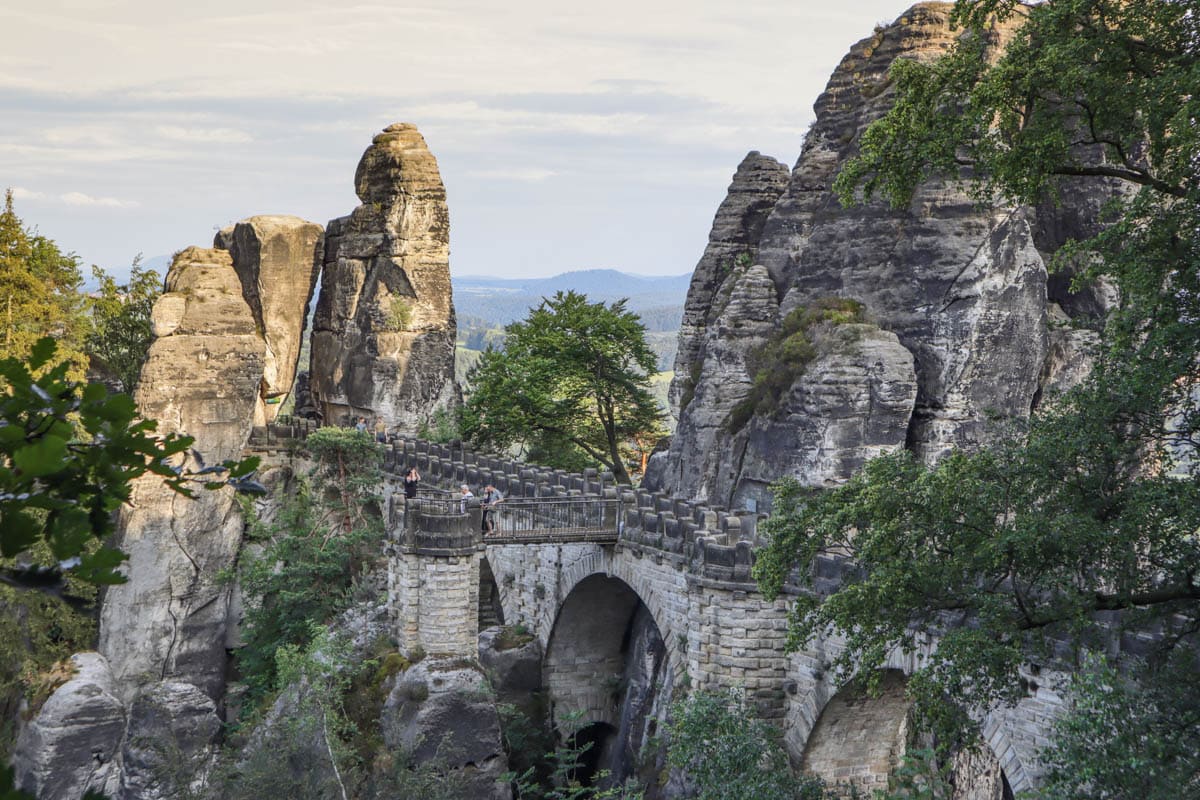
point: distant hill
(503, 300)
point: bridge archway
(859, 738)
(606, 670)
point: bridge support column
(433, 579)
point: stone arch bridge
(578, 557)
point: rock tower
(384, 330)
(953, 344)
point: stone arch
(587, 649)
(858, 739)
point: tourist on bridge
(361, 425)
(380, 430)
(465, 497)
(411, 479)
(491, 498)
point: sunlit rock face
(202, 377)
(958, 348)
(383, 334)
(278, 259)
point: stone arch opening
(860, 738)
(491, 610)
(606, 672)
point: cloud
(203, 135)
(81, 199)
(72, 199)
(526, 175)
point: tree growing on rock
(1086, 524)
(572, 381)
(120, 334)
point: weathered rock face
(748, 314)
(169, 742)
(202, 377)
(278, 259)
(443, 708)
(71, 745)
(962, 292)
(756, 186)
(383, 334)
(516, 669)
(851, 404)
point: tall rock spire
(383, 334)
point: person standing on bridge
(465, 498)
(411, 479)
(491, 498)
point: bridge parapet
(711, 542)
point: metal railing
(573, 519)
(516, 521)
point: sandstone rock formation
(962, 289)
(278, 259)
(383, 334)
(852, 403)
(169, 742)
(442, 708)
(201, 377)
(732, 243)
(70, 747)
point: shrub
(785, 357)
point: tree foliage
(68, 453)
(318, 541)
(39, 293)
(573, 379)
(1124, 738)
(120, 334)
(1087, 521)
(726, 753)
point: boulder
(442, 709)
(278, 259)
(512, 661)
(384, 328)
(70, 745)
(170, 742)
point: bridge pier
(433, 577)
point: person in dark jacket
(411, 479)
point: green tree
(324, 532)
(1125, 738)
(1088, 520)
(573, 378)
(120, 335)
(729, 754)
(39, 293)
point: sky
(569, 135)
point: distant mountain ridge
(502, 300)
(589, 281)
